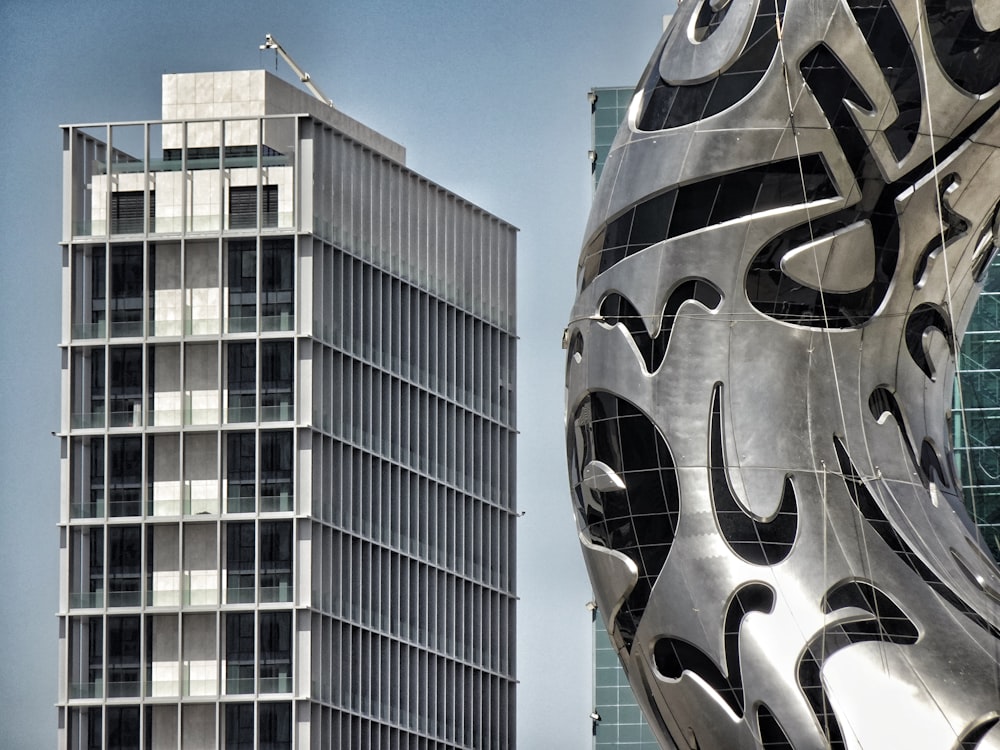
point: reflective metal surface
(785, 246)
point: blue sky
(489, 100)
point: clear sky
(489, 100)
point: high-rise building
(288, 435)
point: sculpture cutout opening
(789, 236)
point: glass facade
(976, 417)
(289, 436)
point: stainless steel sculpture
(785, 246)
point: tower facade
(288, 435)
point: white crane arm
(271, 43)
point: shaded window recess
(640, 520)
(969, 56)
(127, 211)
(712, 201)
(616, 309)
(872, 513)
(760, 542)
(670, 106)
(243, 207)
(673, 656)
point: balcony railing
(124, 598)
(281, 503)
(283, 322)
(280, 593)
(240, 594)
(86, 690)
(283, 412)
(282, 683)
(89, 330)
(88, 420)
(129, 689)
(86, 600)
(87, 509)
(241, 503)
(241, 325)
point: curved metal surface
(786, 244)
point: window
(277, 374)
(126, 290)
(125, 480)
(242, 285)
(239, 653)
(239, 726)
(276, 486)
(243, 207)
(275, 726)
(275, 561)
(241, 472)
(123, 657)
(240, 555)
(124, 566)
(275, 652)
(241, 374)
(96, 498)
(123, 727)
(277, 283)
(126, 386)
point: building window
(95, 498)
(277, 285)
(243, 207)
(240, 472)
(124, 566)
(239, 653)
(126, 290)
(125, 480)
(239, 726)
(96, 567)
(276, 484)
(240, 562)
(277, 377)
(242, 286)
(275, 726)
(123, 727)
(241, 378)
(123, 657)
(275, 652)
(126, 386)
(276, 561)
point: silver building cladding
(287, 512)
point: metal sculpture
(786, 243)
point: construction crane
(271, 43)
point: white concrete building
(288, 435)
